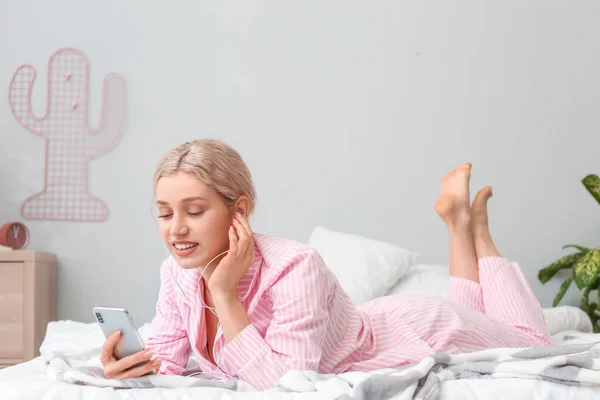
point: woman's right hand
(118, 369)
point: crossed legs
(470, 238)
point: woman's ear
(242, 205)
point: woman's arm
(232, 315)
(295, 336)
(169, 341)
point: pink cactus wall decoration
(70, 142)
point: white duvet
(31, 380)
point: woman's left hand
(235, 264)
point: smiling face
(193, 219)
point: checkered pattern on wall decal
(70, 142)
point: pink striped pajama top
(302, 319)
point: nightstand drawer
(27, 303)
(11, 310)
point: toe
(464, 170)
(466, 167)
(483, 194)
(487, 191)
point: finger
(239, 229)
(244, 221)
(242, 234)
(129, 361)
(139, 371)
(233, 241)
(250, 245)
(109, 346)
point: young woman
(253, 307)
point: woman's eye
(164, 215)
(195, 214)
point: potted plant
(584, 263)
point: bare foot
(453, 207)
(453, 204)
(482, 239)
(479, 214)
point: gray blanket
(569, 364)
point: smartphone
(119, 319)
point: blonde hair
(216, 164)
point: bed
(69, 367)
(37, 379)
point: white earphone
(211, 309)
(187, 300)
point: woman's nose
(178, 227)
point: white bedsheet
(29, 380)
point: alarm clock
(14, 235)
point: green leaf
(592, 307)
(580, 248)
(587, 268)
(585, 301)
(545, 274)
(591, 312)
(592, 184)
(585, 297)
(594, 316)
(561, 292)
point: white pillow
(567, 318)
(425, 279)
(366, 268)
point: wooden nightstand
(27, 303)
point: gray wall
(348, 113)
